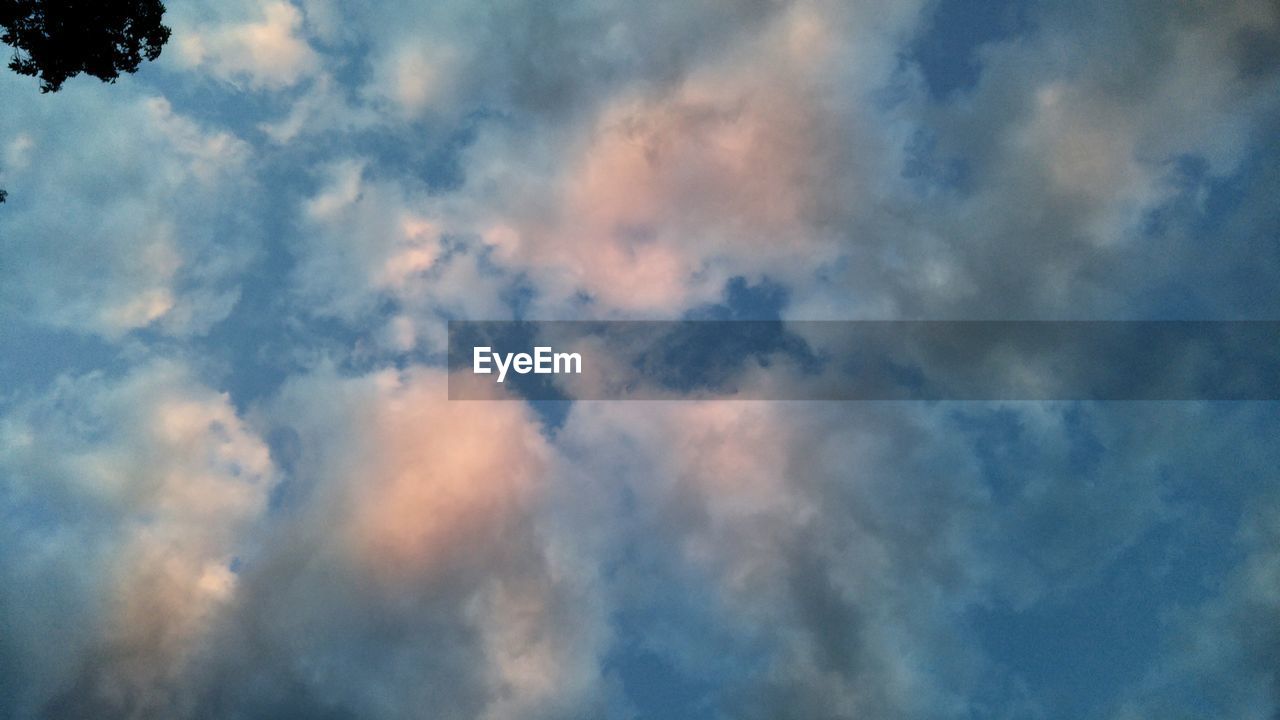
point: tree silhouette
(54, 40)
(58, 39)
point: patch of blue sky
(947, 51)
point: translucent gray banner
(865, 360)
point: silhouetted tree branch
(54, 40)
(58, 39)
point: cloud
(1221, 654)
(413, 162)
(261, 45)
(1041, 181)
(1220, 648)
(126, 502)
(649, 190)
(409, 568)
(368, 242)
(832, 558)
(123, 214)
(799, 147)
(783, 141)
(414, 78)
(808, 583)
(667, 190)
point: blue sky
(231, 484)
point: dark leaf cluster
(54, 40)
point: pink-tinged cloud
(665, 192)
(155, 482)
(418, 502)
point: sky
(232, 484)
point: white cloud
(125, 215)
(367, 241)
(259, 45)
(414, 78)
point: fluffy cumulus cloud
(796, 143)
(126, 503)
(1052, 168)
(123, 214)
(420, 572)
(258, 45)
(370, 245)
(642, 188)
(232, 484)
